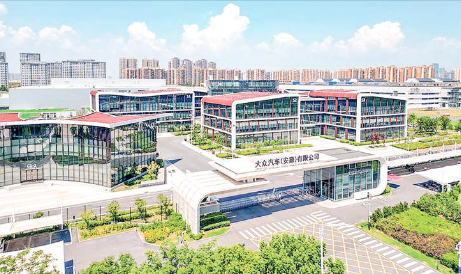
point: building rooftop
(10, 117)
(98, 117)
(156, 91)
(338, 93)
(228, 99)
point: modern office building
(220, 87)
(126, 63)
(176, 102)
(83, 69)
(3, 70)
(350, 115)
(98, 149)
(251, 117)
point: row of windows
(121, 103)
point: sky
(242, 34)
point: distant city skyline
(238, 35)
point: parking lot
(37, 240)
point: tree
(141, 205)
(113, 208)
(445, 123)
(163, 202)
(27, 262)
(458, 126)
(152, 171)
(219, 139)
(87, 216)
(412, 119)
(336, 266)
(426, 124)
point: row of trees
(426, 124)
(287, 254)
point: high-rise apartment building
(150, 63)
(83, 69)
(202, 63)
(33, 71)
(176, 76)
(29, 57)
(56, 70)
(187, 65)
(256, 74)
(145, 73)
(174, 63)
(457, 74)
(3, 70)
(35, 74)
(125, 63)
(211, 65)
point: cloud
(50, 33)
(385, 35)
(3, 10)
(140, 36)
(222, 32)
(22, 34)
(446, 42)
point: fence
(425, 152)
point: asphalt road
(99, 207)
(171, 149)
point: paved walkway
(360, 252)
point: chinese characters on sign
(281, 161)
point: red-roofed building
(352, 115)
(252, 117)
(98, 148)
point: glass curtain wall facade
(256, 121)
(71, 152)
(339, 117)
(341, 182)
(220, 87)
(180, 105)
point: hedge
(212, 220)
(216, 225)
(344, 141)
(209, 147)
(328, 137)
(224, 155)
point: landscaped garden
(140, 175)
(428, 230)
(157, 224)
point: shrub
(387, 190)
(210, 147)
(216, 225)
(213, 219)
(344, 141)
(160, 162)
(224, 155)
(450, 260)
(38, 215)
(328, 137)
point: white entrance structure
(334, 174)
(444, 175)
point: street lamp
(321, 248)
(368, 203)
(458, 247)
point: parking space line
(323, 217)
(311, 219)
(382, 249)
(316, 212)
(359, 236)
(428, 272)
(370, 242)
(264, 233)
(376, 245)
(248, 232)
(410, 264)
(257, 234)
(364, 239)
(298, 222)
(320, 214)
(278, 228)
(389, 252)
(417, 268)
(395, 256)
(275, 230)
(329, 219)
(304, 222)
(244, 236)
(349, 229)
(334, 222)
(270, 232)
(292, 223)
(403, 260)
(287, 224)
(354, 232)
(283, 226)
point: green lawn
(417, 255)
(216, 232)
(416, 220)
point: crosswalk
(286, 225)
(347, 229)
(390, 253)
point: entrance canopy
(444, 175)
(189, 193)
(28, 225)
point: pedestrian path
(301, 223)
